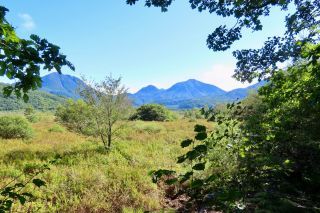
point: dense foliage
(31, 114)
(264, 153)
(39, 100)
(21, 59)
(152, 112)
(109, 105)
(16, 190)
(15, 127)
(76, 116)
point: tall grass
(89, 179)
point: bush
(56, 128)
(153, 112)
(30, 114)
(193, 114)
(75, 115)
(15, 127)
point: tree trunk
(109, 137)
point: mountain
(189, 94)
(178, 93)
(38, 99)
(182, 95)
(241, 93)
(192, 89)
(62, 85)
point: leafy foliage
(76, 116)
(302, 26)
(109, 104)
(263, 154)
(15, 127)
(39, 100)
(15, 190)
(31, 115)
(193, 114)
(57, 128)
(152, 112)
(21, 59)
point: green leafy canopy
(302, 26)
(22, 59)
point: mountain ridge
(181, 95)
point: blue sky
(143, 45)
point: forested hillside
(38, 99)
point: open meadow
(88, 178)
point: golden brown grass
(89, 179)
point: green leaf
(201, 148)
(9, 74)
(186, 177)
(156, 175)
(186, 143)
(22, 199)
(193, 154)
(211, 178)
(25, 98)
(199, 166)
(20, 185)
(199, 128)
(181, 159)
(201, 136)
(2, 70)
(197, 183)
(38, 182)
(171, 181)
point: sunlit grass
(88, 178)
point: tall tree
(22, 59)
(302, 26)
(110, 104)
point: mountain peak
(192, 80)
(148, 89)
(60, 84)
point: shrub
(15, 127)
(193, 114)
(75, 115)
(31, 115)
(153, 112)
(56, 128)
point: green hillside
(38, 99)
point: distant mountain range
(182, 95)
(189, 94)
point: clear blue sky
(142, 45)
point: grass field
(89, 179)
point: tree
(110, 105)
(22, 59)
(302, 27)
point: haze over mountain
(189, 94)
(182, 95)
